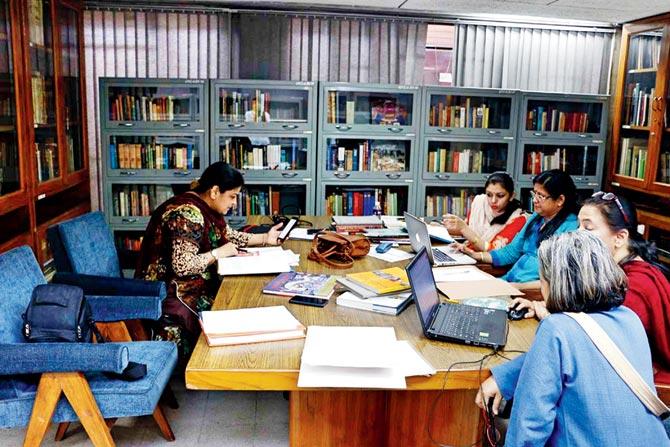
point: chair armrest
(107, 308)
(105, 285)
(31, 358)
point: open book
(251, 325)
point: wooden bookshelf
(46, 48)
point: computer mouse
(515, 314)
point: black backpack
(58, 313)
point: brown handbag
(338, 250)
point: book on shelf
(301, 283)
(36, 22)
(664, 168)
(254, 107)
(637, 104)
(633, 157)
(249, 325)
(139, 200)
(388, 304)
(464, 114)
(439, 204)
(376, 282)
(361, 201)
(367, 155)
(261, 154)
(646, 51)
(150, 153)
(350, 112)
(143, 104)
(47, 160)
(547, 118)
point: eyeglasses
(611, 197)
(540, 197)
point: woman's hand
(225, 251)
(273, 234)
(489, 389)
(453, 223)
(536, 309)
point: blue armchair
(71, 384)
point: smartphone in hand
(286, 230)
(308, 301)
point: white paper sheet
(249, 321)
(393, 255)
(259, 261)
(410, 362)
(459, 273)
(440, 233)
(301, 234)
(327, 376)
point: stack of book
(356, 223)
(383, 291)
(300, 283)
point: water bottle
(377, 210)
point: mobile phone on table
(286, 230)
(308, 301)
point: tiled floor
(231, 418)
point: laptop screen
(423, 286)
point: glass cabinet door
(266, 156)
(360, 200)
(133, 203)
(362, 158)
(371, 111)
(564, 118)
(663, 164)
(154, 105)
(68, 20)
(580, 161)
(440, 200)
(639, 101)
(42, 86)
(10, 180)
(453, 114)
(271, 108)
(465, 160)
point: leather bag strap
(620, 363)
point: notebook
(450, 322)
(419, 238)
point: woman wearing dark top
(184, 238)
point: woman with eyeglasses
(614, 220)
(565, 391)
(555, 202)
(494, 219)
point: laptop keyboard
(441, 256)
(457, 321)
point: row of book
(553, 120)
(633, 157)
(151, 155)
(139, 200)
(141, 107)
(664, 168)
(382, 111)
(644, 52)
(46, 154)
(242, 155)
(361, 202)
(6, 106)
(237, 107)
(467, 160)
(637, 105)
(42, 96)
(573, 161)
(439, 204)
(462, 115)
(9, 154)
(258, 203)
(129, 243)
(387, 157)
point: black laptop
(458, 323)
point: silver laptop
(440, 256)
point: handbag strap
(324, 258)
(620, 363)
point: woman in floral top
(184, 238)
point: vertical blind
(557, 60)
(222, 45)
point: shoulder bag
(338, 250)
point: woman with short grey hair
(565, 392)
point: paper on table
(253, 320)
(460, 273)
(301, 234)
(349, 346)
(259, 261)
(312, 376)
(458, 290)
(410, 362)
(393, 222)
(393, 255)
(440, 233)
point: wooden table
(320, 417)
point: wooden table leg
(389, 418)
